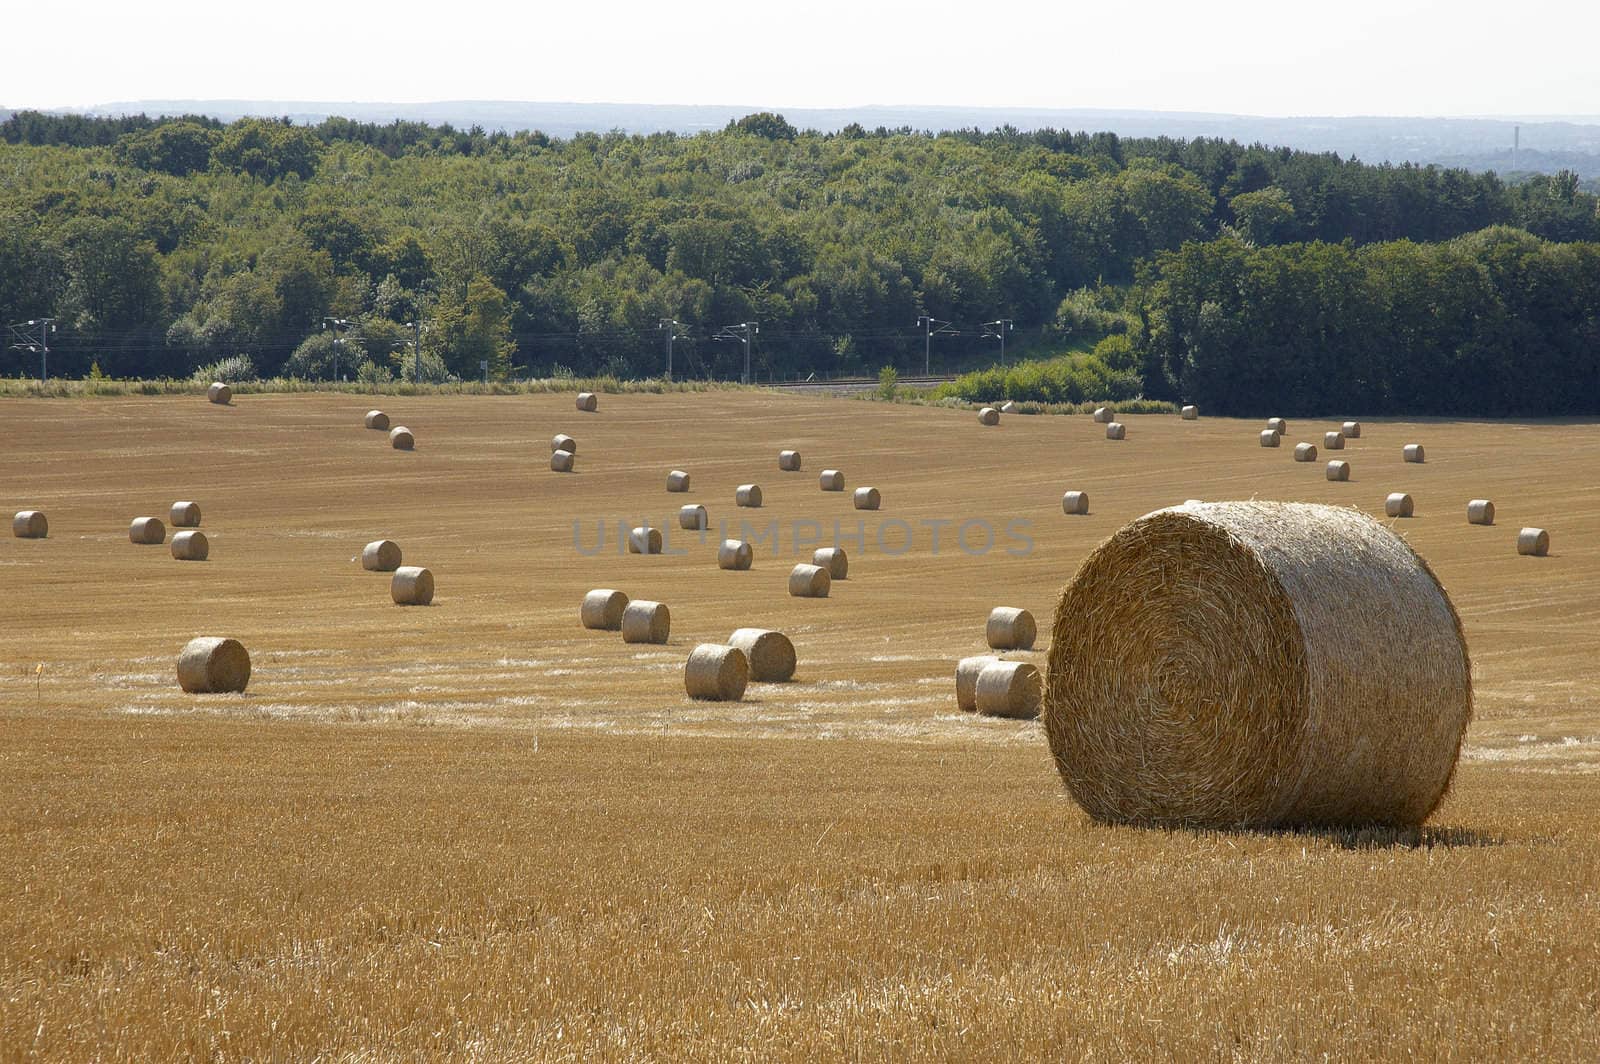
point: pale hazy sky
(1268, 57)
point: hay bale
(588, 402)
(717, 673)
(1007, 407)
(1278, 425)
(30, 524)
(693, 518)
(1008, 689)
(677, 481)
(1104, 415)
(734, 554)
(411, 585)
(400, 438)
(1534, 542)
(1351, 430)
(185, 515)
(868, 498)
(770, 654)
(644, 540)
(562, 442)
(1413, 453)
(809, 581)
(1305, 452)
(1010, 628)
(1255, 664)
(1269, 438)
(209, 665)
(789, 461)
(1333, 441)
(1075, 502)
(1338, 470)
(1116, 431)
(988, 416)
(147, 531)
(1480, 512)
(832, 559)
(190, 546)
(602, 609)
(377, 419)
(831, 480)
(967, 670)
(748, 495)
(381, 556)
(562, 461)
(1191, 413)
(1398, 504)
(219, 393)
(646, 622)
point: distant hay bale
(748, 495)
(1533, 541)
(677, 481)
(1333, 441)
(770, 654)
(562, 461)
(30, 524)
(734, 554)
(1269, 438)
(967, 670)
(832, 559)
(831, 480)
(1413, 453)
(1007, 407)
(1305, 452)
(644, 540)
(1008, 689)
(646, 622)
(185, 515)
(693, 518)
(602, 609)
(988, 416)
(1338, 470)
(588, 402)
(191, 546)
(209, 665)
(1246, 664)
(1352, 430)
(716, 673)
(789, 461)
(1278, 425)
(219, 393)
(400, 438)
(1104, 415)
(1480, 512)
(147, 531)
(868, 498)
(377, 419)
(1075, 502)
(1398, 504)
(1116, 431)
(562, 442)
(1010, 628)
(381, 556)
(411, 585)
(809, 581)
(1191, 413)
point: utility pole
(34, 335)
(337, 324)
(416, 350)
(743, 332)
(670, 326)
(996, 330)
(931, 327)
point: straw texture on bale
(1269, 438)
(209, 665)
(646, 622)
(831, 480)
(190, 546)
(833, 559)
(1480, 512)
(1414, 453)
(1245, 664)
(377, 419)
(1333, 441)
(1278, 425)
(1010, 628)
(588, 402)
(400, 438)
(411, 585)
(809, 581)
(1116, 431)
(644, 540)
(1305, 452)
(602, 609)
(716, 672)
(748, 495)
(1398, 504)
(30, 524)
(1075, 502)
(185, 515)
(770, 654)
(1533, 541)
(381, 556)
(1104, 415)
(1008, 689)
(988, 416)
(1338, 470)
(734, 554)
(562, 461)
(967, 670)
(562, 442)
(789, 461)
(692, 517)
(147, 530)
(219, 393)
(1352, 430)
(677, 481)
(868, 498)
(1191, 413)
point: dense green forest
(1243, 277)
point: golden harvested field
(477, 830)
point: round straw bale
(1010, 628)
(400, 438)
(771, 654)
(1008, 689)
(748, 495)
(30, 524)
(209, 665)
(1338, 470)
(1255, 664)
(1333, 441)
(832, 559)
(1269, 438)
(789, 461)
(809, 581)
(1398, 504)
(562, 442)
(381, 556)
(1116, 431)
(967, 670)
(1413, 453)
(190, 546)
(1305, 452)
(831, 480)
(1352, 430)
(411, 585)
(185, 515)
(1480, 512)
(734, 554)
(644, 540)
(602, 609)
(1007, 407)
(677, 481)
(588, 402)
(868, 498)
(1533, 541)
(1104, 415)
(147, 530)
(561, 461)
(1191, 413)
(377, 419)
(692, 517)
(219, 393)
(646, 622)
(988, 416)
(1075, 502)
(716, 672)
(1278, 425)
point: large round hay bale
(1398, 504)
(219, 393)
(716, 672)
(602, 609)
(677, 480)
(588, 402)
(1480, 512)
(789, 461)
(1333, 441)
(562, 442)
(1116, 431)
(190, 546)
(770, 654)
(562, 461)
(748, 495)
(1338, 470)
(1351, 430)
(381, 556)
(644, 621)
(147, 531)
(988, 416)
(644, 540)
(400, 438)
(1008, 689)
(185, 515)
(1278, 425)
(1191, 413)
(377, 419)
(734, 554)
(809, 581)
(1104, 415)
(411, 585)
(693, 518)
(30, 524)
(209, 665)
(1533, 541)
(1269, 438)
(1305, 452)
(831, 480)
(868, 498)
(1255, 664)
(1075, 502)
(967, 670)
(833, 559)
(1413, 453)
(1010, 628)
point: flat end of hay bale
(211, 665)
(411, 585)
(770, 654)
